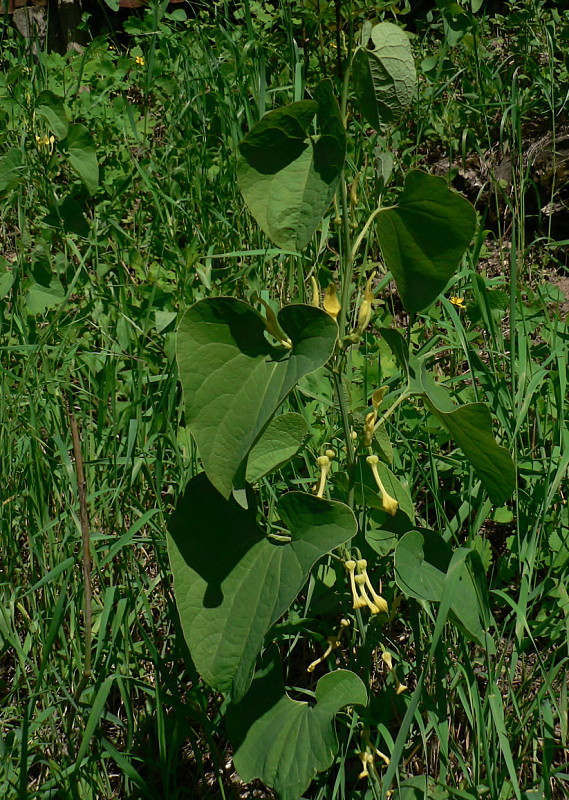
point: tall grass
(167, 227)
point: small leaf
(280, 441)
(50, 107)
(232, 583)
(287, 178)
(503, 515)
(384, 74)
(234, 380)
(285, 742)
(424, 237)
(83, 156)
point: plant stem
(85, 542)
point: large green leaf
(469, 425)
(11, 171)
(424, 237)
(421, 564)
(7, 277)
(384, 74)
(50, 107)
(285, 742)
(232, 582)
(287, 178)
(234, 380)
(83, 156)
(279, 442)
(40, 298)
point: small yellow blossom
(457, 301)
(315, 292)
(45, 142)
(378, 395)
(371, 418)
(139, 61)
(390, 504)
(366, 307)
(369, 427)
(324, 463)
(379, 602)
(369, 746)
(272, 326)
(367, 762)
(331, 302)
(360, 584)
(333, 643)
(358, 601)
(388, 661)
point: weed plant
(96, 270)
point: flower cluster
(45, 142)
(363, 593)
(368, 755)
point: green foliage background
(108, 234)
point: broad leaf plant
(238, 564)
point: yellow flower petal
(331, 303)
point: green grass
(87, 328)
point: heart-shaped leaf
(424, 237)
(279, 442)
(83, 156)
(469, 425)
(421, 564)
(234, 380)
(285, 742)
(11, 171)
(50, 107)
(471, 428)
(232, 582)
(287, 178)
(384, 74)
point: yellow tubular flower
(331, 302)
(366, 307)
(333, 643)
(358, 601)
(378, 395)
(388, 661)
(315, 292)
(457, 301)
(324, 463)
(389, 503)
(379, 601)
(369, 427)
(273, 326)
(367, 762)
(360, 582)
(368, 743)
